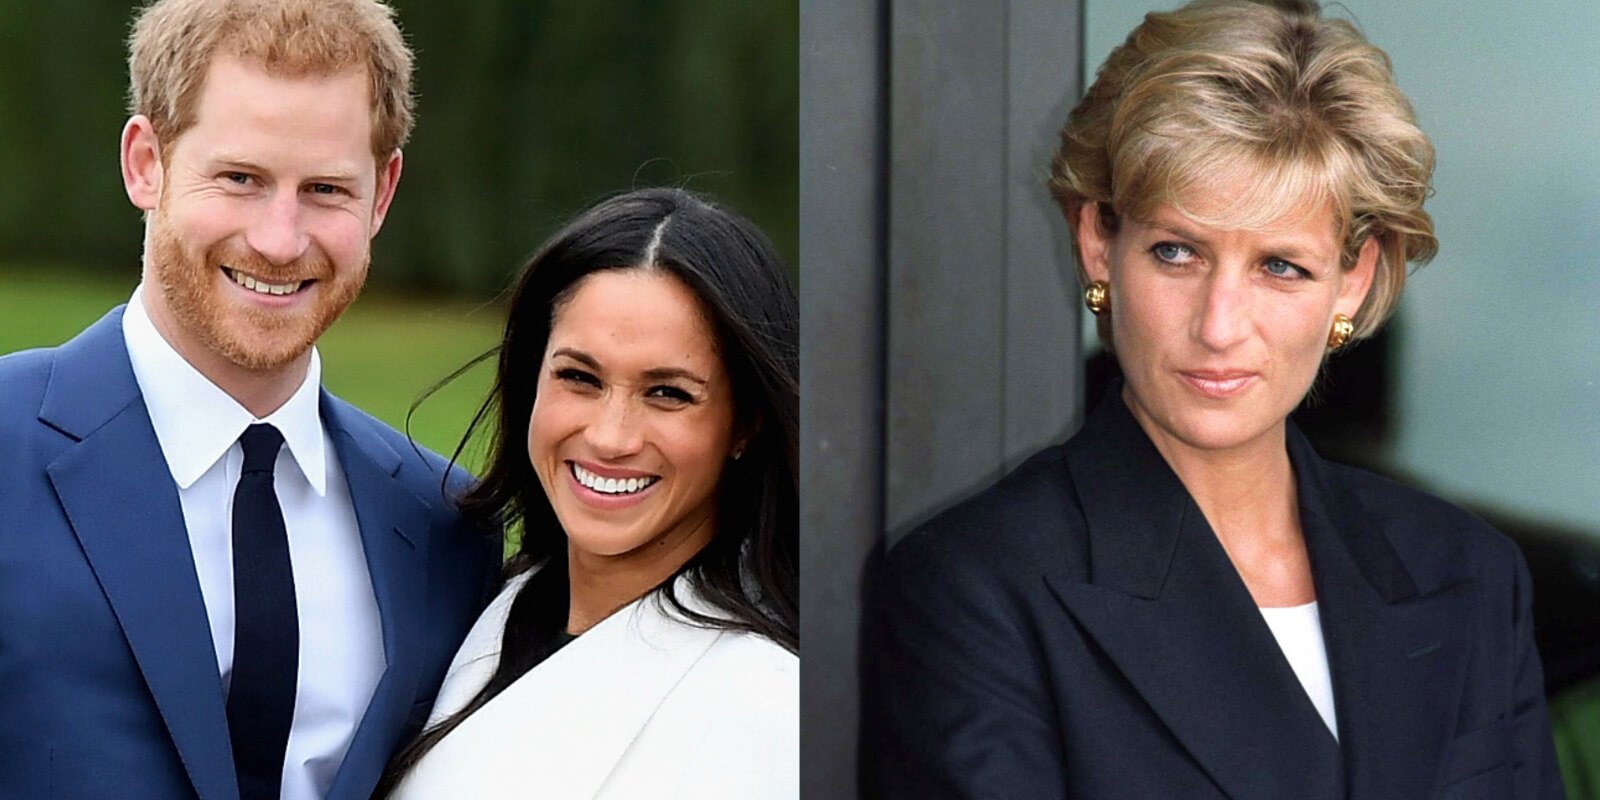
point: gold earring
(1097, 297)
(1342, 329)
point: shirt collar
(196, 422)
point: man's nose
(279, 233)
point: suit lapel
(394, 524)
(125, 512)
(1397, 654)
(1165, 604)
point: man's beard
(253, 338)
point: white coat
(642, 705)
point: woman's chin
(1216, 430)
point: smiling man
(216, 579)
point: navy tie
(266, 631)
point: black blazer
(1077, 631)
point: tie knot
(260, 443)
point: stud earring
(1339, 336)
(1097, 297)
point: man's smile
(262, 287)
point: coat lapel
(125, 512)
(394, 524)
(572, 719)
(1166, 605)
(1397, 654)
(630, 663)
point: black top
(1078, 631)
(536, 626)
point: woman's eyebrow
(577, 355)
(670, 373)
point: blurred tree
(527, 112)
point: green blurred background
(527, 112)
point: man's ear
(388, 179)
(142, 170)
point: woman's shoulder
(1431, 535)
(1029, 517)
(734, 663)
(729, 728)
(740, 652)
(751, 679)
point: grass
(380, 356)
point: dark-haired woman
(644, 436)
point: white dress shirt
(1298, 630)
(341, 645)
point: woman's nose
(616, 431)
(1224, 314)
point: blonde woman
(1185, 601)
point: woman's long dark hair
(749, 572)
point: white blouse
(1298, 630)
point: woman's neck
(599, 585)
(1248, 496)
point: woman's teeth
(612, 485)
(261, 286)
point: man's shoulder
(23, 377)
(419, 468)
(26, 367)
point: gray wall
(841, 368)
(938, 303)
(982, 313)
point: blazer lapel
(393, 524)
(1397, 654)
(124, 509)
(1167, 607)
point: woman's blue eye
(1172, 253)
(1279, 268)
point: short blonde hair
(1302, 108)
(174, 41)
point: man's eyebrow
(333, 177)
(237, 162)
(340, 174)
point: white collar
(196, 422)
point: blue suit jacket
(108, 675)
(1077, 631)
